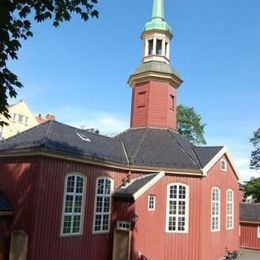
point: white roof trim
(148, 185)
(212, 162)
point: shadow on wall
(17, 183)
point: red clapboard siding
(248, 236)
(214, 243)
(35, 187)
(157, 110)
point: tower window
(172, 106)
(159, 47)
(150, 47)
(141, 99)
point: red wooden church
(146, 192)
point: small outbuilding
(250, 225)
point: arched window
(177, 214)
(230, 209)
(215, 209)
(73, 204)
(102, 211)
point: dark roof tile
(250, 212)
(127, 191)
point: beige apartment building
(21, 119)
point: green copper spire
(158, 9)
(157, 21)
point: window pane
(150, 47)
(79, 185)
(159, 47)
(68, 203)
(70, 184)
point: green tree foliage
(189, 125)
(252, 188)
(15, 26)
(255, 154)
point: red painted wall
(35, 187)
(152, 105)
(149, 235)
(214, 243)
(248, 236)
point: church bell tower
(154, 82)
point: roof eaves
(212, 162)
(148, 185)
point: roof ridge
(171, 133)
(125, 152)
(139, 144)
(193, 148)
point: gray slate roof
(5, 206)
(164, 148)
(127, 192)
(55, 136)
(138, 147)
(250, 212)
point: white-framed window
(223, 165)
(73, 204)
(123, 225)
(230, 209)
(177, 210)
(102, 210)
(258, 231)
(151, 202)
(215, 209)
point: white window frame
(215, 203)
(258, 231)
(102, 231)
(223, 169)
(123, 225)
(231, 205)
(151, 204)
(82, 213)
(186, 215)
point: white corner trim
(148, 185)
(212, 162)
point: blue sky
(79, 71)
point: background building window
(215, 209)
(177, 208)
(151, 202)
(230, 209)
(73, 205)
(102, 212)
